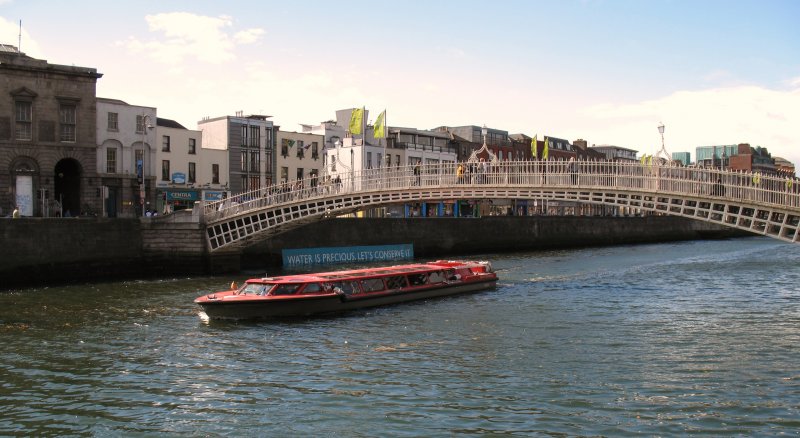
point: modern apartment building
(250, 145)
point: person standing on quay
(15, 214)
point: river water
(690, 338)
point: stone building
(48, 163)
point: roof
(167, 123)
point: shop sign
(181, 196)
(179, 178)
(213, 196)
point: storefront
(170, 200)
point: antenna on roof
(19, 38)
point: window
(255, 136)
(113, 122)
(67, 120)
(380, 157)
(165, 170)
(24, 114)
(268, 139)
(285, 147)
(396, 282)
(300, 149)
(388, 160)
(243, 166)
(398, 160)
(369, 160)
(165, 143)
(284, 174)
(436, 277)
(215, 174)
(111, 160)
(417, 279)
(192, 146)
(192, 173)
(140, 124)
(284, 289)
(139, 159)
(372, 284)
(314, 150)
(255, 161)
(312, 288)
(300, 173)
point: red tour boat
(328, 292)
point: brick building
(48, 146)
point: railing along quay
(740, 199)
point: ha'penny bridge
(765, 205)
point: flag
(534, 146)
(380, 125)
(307, 145)
(356, 120)
(546, 151)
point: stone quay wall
(43, 251)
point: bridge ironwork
(767, 205)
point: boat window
(436, 277)
(312, 288)
(253, 289)
(372, 284)
(396, 282)
(348, 287)
(417, 279)
(284, 289)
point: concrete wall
(434, 237)
(39, 251)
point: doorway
(68, 186)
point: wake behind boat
(338, 291)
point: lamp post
(663, 150)
(146, 124)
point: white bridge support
(760, 204)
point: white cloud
(189, 36)
(742, 114)
(10, 34)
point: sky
(607, 71)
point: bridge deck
(766, 205)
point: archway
(68, 186)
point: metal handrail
(702, 183)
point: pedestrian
(573, 170)
(15, 214)
(460, 173)
(417, 174)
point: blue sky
(714, 72)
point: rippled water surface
(671, 339)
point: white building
(298, 155)
(126, 156)
(189, 172)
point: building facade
(126, 157)
(48, 144)
(188, 172)
(250, 145)
(298, 155)
(616, 153)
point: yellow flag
(356, 120)
(534, 146)
(380, 125)
(546, 151)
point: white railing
(703, 183)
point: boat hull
(327, 304)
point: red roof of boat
(365, 272)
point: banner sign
(346, 254)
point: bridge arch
(759, 204)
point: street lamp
(485, 132)
(663, 151)
(146, 124)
